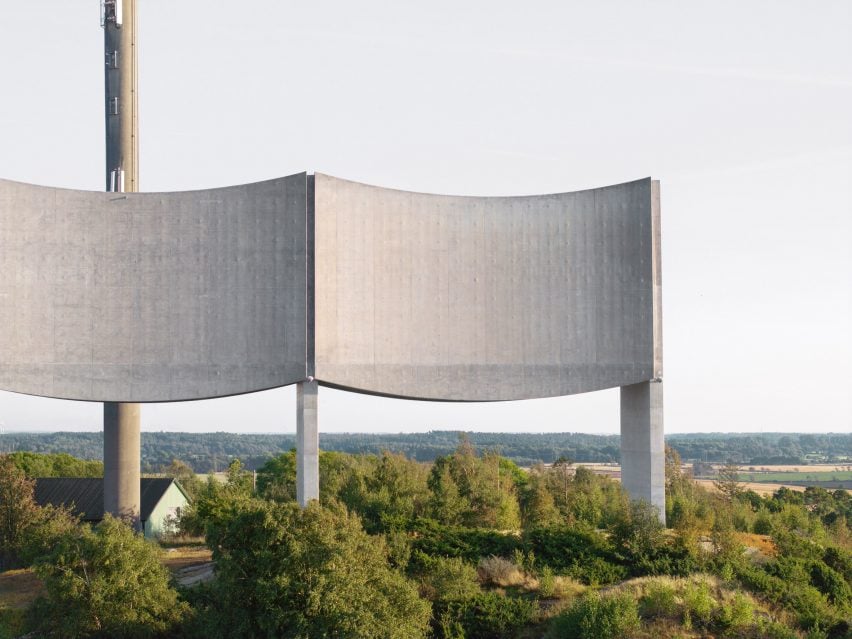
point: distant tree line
(210, 452)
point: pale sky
(740, 108)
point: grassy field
(765, 490)
(801, 476)
(767, 479)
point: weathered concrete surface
(307, 442)
(477, 298)
(122, 449)
(643, 472)
(152, 297)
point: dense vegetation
(470, 546)
(208, 452)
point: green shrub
(840, 560)
(775, 630)
(596, 616)
(448, 579)
(783, 589)
(736, 614)
(435, 539)
(285, 571)
(659, 600)
(762, 523)
(399, 548)
(489, 615)
(104, 582)
(11, 622)
(830, 582)
(698, 604)
(597, 572)
(668, 561)
(546, 583)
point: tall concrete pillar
(642, 445)
(121, 122)
(122, 445)
(307, 442)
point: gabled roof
(86, 494)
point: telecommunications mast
(122, 444)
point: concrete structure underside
(314, 280)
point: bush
(283, 571)
(736, 614)
(597, 572)
(638, 531)
(762, 523)
(546, 583)
(830, 582)
(448, 579)
(698, 604)
(489, 615)
(104, 582)
(12, 622)
(435, 539)
(659, 600)
(499, 571)
(583, 554)
(775, 630)
(596, 616)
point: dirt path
(189, 566)
(18, 588)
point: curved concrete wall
(127, 297)
(484, 298)
(152, 297)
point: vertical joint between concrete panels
(307, 392)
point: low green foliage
(106, 582)
(283, 571)
(596, 616)
(583, 554)
(736, 614)
(489, 615)
(698, 605)
(447, 579)
(433, 538)
(12, 623)
(659, 600)
(546, 583)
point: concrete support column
(122, 447)
(642, 445)
(307, 442)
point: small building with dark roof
(162, 499)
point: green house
(162, 500)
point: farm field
(768, 479)
(764, 490)
(802, 475)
